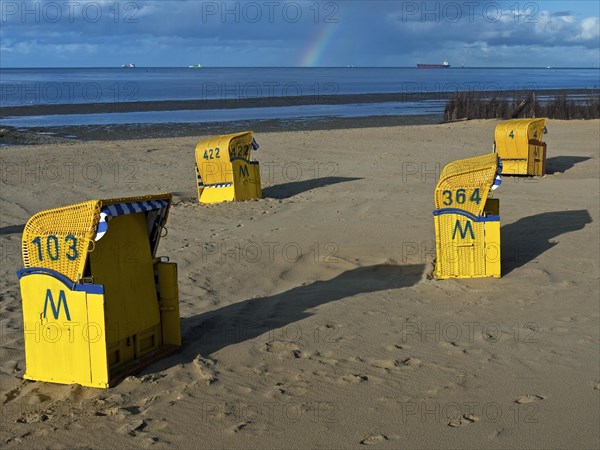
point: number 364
(460, 197)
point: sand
(308, 318)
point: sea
(69, 86)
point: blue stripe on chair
(467, 214)
(79, 287)
(255, 145)
(497, 182)
(121, 209)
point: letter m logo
(463, 233)
(62, 300)
(244, 171)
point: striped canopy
(155, 213)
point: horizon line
(294, 67)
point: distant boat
(128, 66)
(444, 65)
(195, 66)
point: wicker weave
(464, 257)
(469, 174)
(225, 170)
(62, 236)
(218, 169)
(462, 239)
(79, 220)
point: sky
(178, 33)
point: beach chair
(519, 143)
(225, 170)
(97, 304)
(467, 222)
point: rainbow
(317, 47)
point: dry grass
(476, 105)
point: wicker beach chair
(519, 143)
(467, 222)
(225, 170)
(97, 303)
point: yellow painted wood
(54, 323)
(492, 239)
(519, 143)
(467, 225)
(169, 302)
(95, 333)
(122, 263)
(225, 170)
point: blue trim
(77, 287)
(473, 217)
(89, 288)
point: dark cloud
(280, 33)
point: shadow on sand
(529, 237)
(211, 331)
(288, 190)
(11, 229)
(560, 164)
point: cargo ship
(444, 65)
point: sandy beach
(309, 319)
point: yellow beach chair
(519, 144)
(467, 222)
(97, 304)
(225, 170)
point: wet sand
(253, 102)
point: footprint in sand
(133, 427)
(206, 370)
(151, 378)
(385, 363)
(452, 348)
(35, 416)
(239, 427)
(411, 362)
(463, 421)
(354, 378)
(14, 393)
(393, 347)
(283, 348)
(528, 398)
(371, 439)
(149, 442)
(324, 357)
